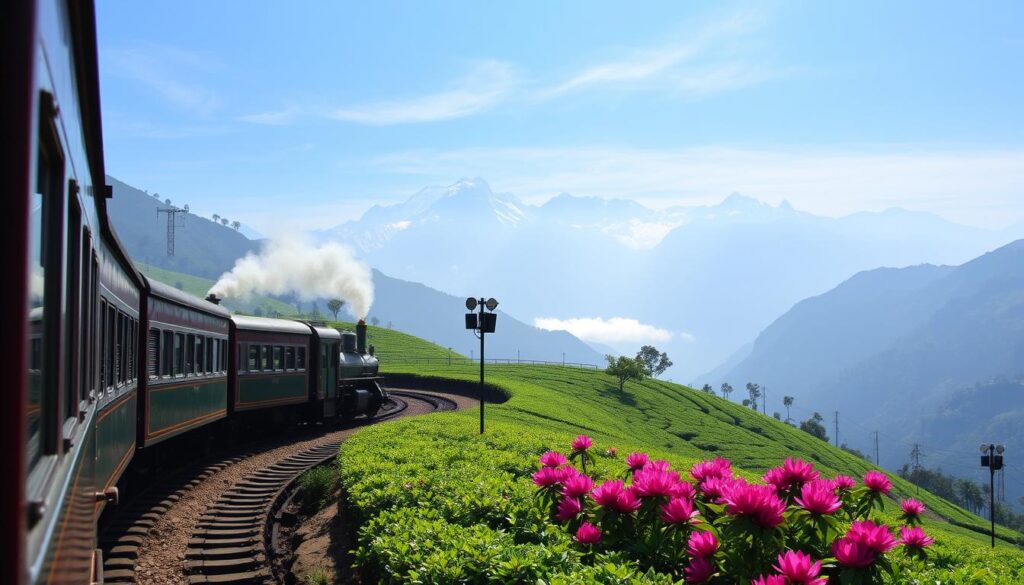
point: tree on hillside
(654, 362)
(813, 426)
(726, 390)
(707, 389)
(335, 305)
(237, 225)
(186, 208)
(625, 369)
(374, 321)
(167, 202)
(216, 217)
(971, 496)
(224, 221)
(777, 415)
(787, 401)
(754, 390)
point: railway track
(234, 539)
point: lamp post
(992, 457)
(481, 324)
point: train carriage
(186, 363)
(271, 363)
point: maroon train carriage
(272, 365)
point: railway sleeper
(256, 577)
(223, 552)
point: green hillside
(393, 346)
(198, 286)
(550, 404)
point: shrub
(318, 486)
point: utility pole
(876, 448)
(764, 398)
(171, 225)
(837, 428)
(915, 454)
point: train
(104, 365)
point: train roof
(170, 293)
(327, 332)
(272, 325)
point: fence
(464, 361)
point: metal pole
(876, 448)
(482, 366)
(837, 428)
(992, 491)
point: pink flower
(850, 553)
(769, 580)
(876, 537)
(588, 534)
(582, 443)
(876, 481)
(627, 502)
(699, 570)
(818, 497)
(797, 567)
(568, 509)
(915, 537)
(659, 465)
(759, 502)
(636, 461)
(701, 544)
(794, 472)
(606, 493)
(678, 511)
(653, 483)
(714, 487)
(683, 489)
(843, 482)
(912, 507)
(717, 467)
(577, 486)
(549, 476)
(553, 459)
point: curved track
(233, 540)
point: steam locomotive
(103, 364)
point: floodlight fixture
(1000, 449)
(491, 304)
(471, 304)
(984, 448)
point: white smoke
(288, 265)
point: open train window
(300, 358)
(253, 357)
(111, 347)
(211, 355)
(179, 354)
(264, 357)
(72, 313)
(200, 354)
(278, 357)
(289, 358)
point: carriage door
(329, 376)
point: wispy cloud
(709, 58)
(170, 72)
(982, 187)
(274, 117)
(487, 85)
(613, 330)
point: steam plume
(310, 272)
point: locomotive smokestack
(361, 337)
(213, 299)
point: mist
(287, 265)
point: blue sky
(303, 114)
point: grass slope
(444, 504)
(198, 286)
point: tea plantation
(442, 504)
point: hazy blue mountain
(712, 275)
(208, 249)
(895, 349)
(202, 247)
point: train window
(179, 354)
(93, 325)
(223, 355)
(190, 354)
(200, 355)
(153, 354)
(167, 354)
(122, 329)
(253, 357)
(211, 355)
(72, 322)
(278, 357)
(289, 358)
(300, 358)
(264, 357)
(111, 346)
(101, 326)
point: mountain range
(711, 276)
(932, 355)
